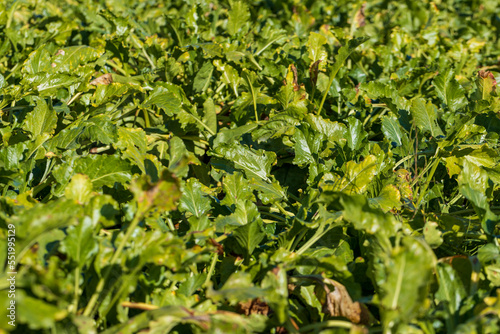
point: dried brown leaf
(254, 306)
(104, 79)
(338, 303)
(359, 18)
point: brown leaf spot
(313, 72)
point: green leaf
(203, 77)
(432, 234)
(449, 91)
(268, 192)
(70, 58)
(425, 116)
(340, 58)
(236, 189)
(365, 218)
(307, 144)
(106, 93)
(358, 176)
(238, 16)
(101, 129)
(41, 219)
(333, 131)
(255, 163)
(210, 115)
(37, 314)
(451, 290)
(101, 170)
(392, 129)
(246, 213)
(168, 97)
(388, 198)
(79, 189)
(80, 243)
(249, 236)
(193, 199)
(43, 119)
(238, 287)
(229, 75)
(315, 47)
(355, 134)
(405, 283)
(133, 144)
(38, 61)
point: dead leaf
(359, 18)
(254, 306)
(104, 79)
(338, 303)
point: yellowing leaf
(79, 189)
(358, 176)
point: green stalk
(326, 324)
(211, 269)
(254, 98)
(117, 68)
(100, 285)
(330, 83)
(297, 238)
(76, 295)
(320, 232)
(283, 211)
(146, 118)
(276, 217)
(119, 292)
(429, 178)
